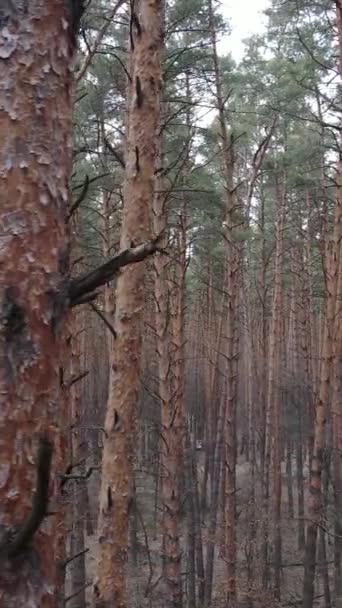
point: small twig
(67, 477)
(103, 318)
(299, 601)
(77, 378)
(320, 526)
(115, 153)
(39, 505)
(147, 546)
(67, 561)
(91, 180)
(98, 40)
(70, 597)
(80, 198)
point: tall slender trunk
(198, 539)
(215, 491)
(315, 506)
(262, 399)
(336, 426)
(169, 393)
(109, 300)
(274, 405)
(300, 484)
(289, 478)
(79, 490)
(120, 421)
(230, 330)
(191, 523)
(322, 548)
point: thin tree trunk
(230, 333)
(198, 539)
(170, 393)
(315, 506)
(274, 393)
(289, 477)
(77, 569)
(215, 492)
(322, 537)
(300, 484)
(120, 421)
(191, 523)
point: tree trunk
(300, 486)
(289, 478)
(119, 442)
(315, 506)
(191, 523)
(170, 417)
(214, 502)
(79, 488)
(274, 405)
(230, 330)
(37, 45)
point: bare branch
(77, 378)
(101, 34)
(82, 287)
(104, 319)
(115, 153)
(70, 559)
(80, 198)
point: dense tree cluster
(171, 321)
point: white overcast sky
(246, 18)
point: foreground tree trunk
(35, 160)
(118, 451)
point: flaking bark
(35, 157)
(118, 452)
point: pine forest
(170, 305)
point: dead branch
(101, 34)
(82, 287)
(258, 161)
(119, 157)
(70, 559)
(77, 378)
(81, 476)
(80, 198)
(103, 318)
(70, 597)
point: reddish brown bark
(36, 47)
(229, 329)
(273, 394)
(316, 505)
(119, 443)
(169, 416)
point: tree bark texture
(315, 505)
(36, 47)
(118, 451)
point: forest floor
(145, 572)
